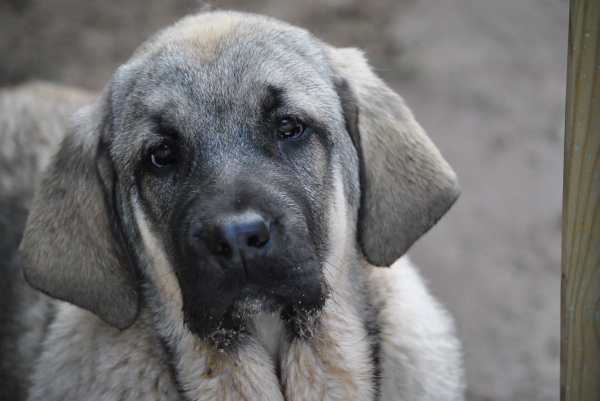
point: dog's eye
(290, 129)
(161, 155)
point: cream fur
(420, 354)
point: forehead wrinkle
(243, 86)
(168, 107)
(222, 87)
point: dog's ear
(72, 248)
(406, 185)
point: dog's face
(245, 146)
(232, 160)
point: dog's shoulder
(420, 355)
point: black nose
(240, 238)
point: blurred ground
(486, 78)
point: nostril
(257, 232)
(256, 241)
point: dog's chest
(269, 330)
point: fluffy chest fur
(419, 356)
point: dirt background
(486, 78)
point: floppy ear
(72, 248)
(406, 185)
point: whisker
(334, 266)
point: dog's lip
(252, 290)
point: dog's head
(248, 150)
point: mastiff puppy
(211, 225)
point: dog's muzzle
(243, 250)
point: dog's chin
(225, 332)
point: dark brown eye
(290, 129)
(162, 155)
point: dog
(217, 223)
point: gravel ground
(486, 78)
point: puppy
(210, 227)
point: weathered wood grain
(580, 325)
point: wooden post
(580, 295)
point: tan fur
(158, 357)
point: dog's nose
(243, 236)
